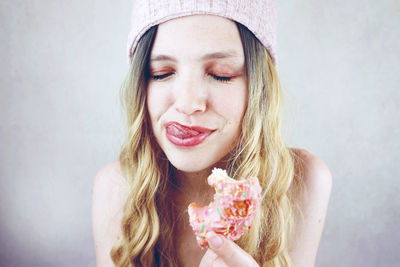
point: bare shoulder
(110, 175)
(109, 193)
(315, 172)
(317, 179)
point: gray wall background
(62, 63)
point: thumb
(215, 241)
(230, 253)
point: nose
(190, 96)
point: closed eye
(160, 77)
(220, 78)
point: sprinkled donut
(232, 210)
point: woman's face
(197, 92)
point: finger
(231, 253)
(208, 259)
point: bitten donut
(232, 210)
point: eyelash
(218, 78)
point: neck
(193, 183)
(193, 186)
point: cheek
(157, 103)
(231, 103)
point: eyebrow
(216, 55)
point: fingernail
(214, 240)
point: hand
(225, 253)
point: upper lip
(194, 128)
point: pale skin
(190, 93)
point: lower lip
(187, 142)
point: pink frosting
(232, 210)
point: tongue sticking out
(181, 132)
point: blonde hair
(148, 223)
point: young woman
(202, 92)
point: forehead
(194, 36)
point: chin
(191, 165)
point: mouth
(181, 135)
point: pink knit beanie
(259, 16)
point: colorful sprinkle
(202, 227)
(245, 195)
(219, 212)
